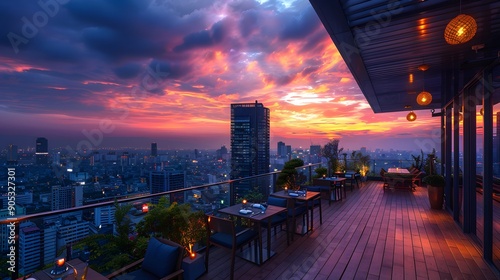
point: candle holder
(244, 203)
(60, 269)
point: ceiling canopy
(384, 42)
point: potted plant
(435, 189)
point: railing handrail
(21, 218)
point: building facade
(162, 181)
(250, 142)
(42, 151)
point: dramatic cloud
(170, 69)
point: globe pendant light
(424, 98)
(460, 29)
(411, 116)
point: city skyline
(141, 71)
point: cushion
(160, 259)
(139, 274)
(276, 201)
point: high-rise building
(64, 197)
(281, 149)
(4, 230)
(250, 135)
(42, 151)
(222, 153)
(104, 215)
(315, 154)
(162, 181)
(289, 151)
(154, 149)
(12, 154)
(29, 247)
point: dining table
(307, 197)
(398, 170)
(256, 213)
(75, 271)
(335, 184)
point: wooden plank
(371, 234)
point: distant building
(72, 229)
(64, 197)
(42, 151)
(49, 244)
(104, 215)
(281, 149)
(222, 153)
(363, 150)
(4, 230)
(289, 152)
(29, 247)
(315, 154)
(21, 199)
(250, 135)
(154, 149)
(12, 154)
(162, 181)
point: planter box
(193, 268)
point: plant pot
(436, 196)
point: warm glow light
(411, 116)
(411, 78)
(481, 111)
(145, 208)
(60, 262)
(460, 29)
(424, 98)
(244, 201)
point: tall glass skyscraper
(250, 137)
(42, 151)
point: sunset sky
(166, 71)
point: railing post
(231, 196)
(310, 175)
(275, 177)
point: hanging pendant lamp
(460, 29)
(411, 116)
(424, 98)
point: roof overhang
(384, 42)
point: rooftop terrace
(370, 235)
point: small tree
(289, 175)
(320, 172)
(331, 152)
(176, 222)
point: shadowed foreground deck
(370, 235)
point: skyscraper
(154, 150)
(12, 154)
(315, 154)
(64, 197)
(42, 151)
(250, 135)
(162, 181)
(281, 149)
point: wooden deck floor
(370, 235)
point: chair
(297, 209)
(279, 219)
(162, 260)
(316, 202)
(384, 178)
(223, 233)
(351, 177)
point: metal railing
(207, 197)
